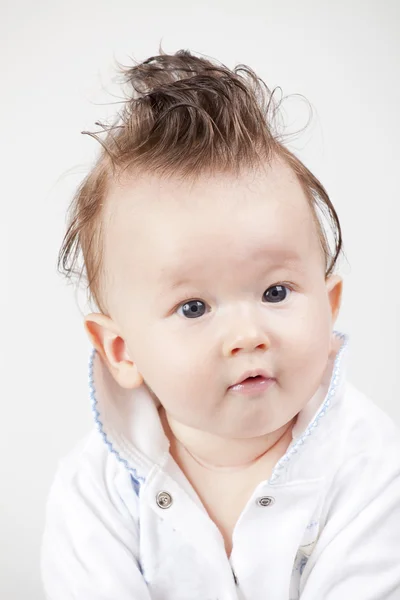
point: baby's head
(204, 251)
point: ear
(106, 338)
(334, 287)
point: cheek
(182, 379)
(306, 343)
(172, 364)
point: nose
(245, 337)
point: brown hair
(185, 116)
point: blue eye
(276, 295)
(193, 309)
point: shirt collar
(130, 426)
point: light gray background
(56, 64)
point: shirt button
(164, 500)
(265, 501)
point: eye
(276, 293)
(192, 309)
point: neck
(219, 453)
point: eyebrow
(171, 280)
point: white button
(265, 501)
(164, 500)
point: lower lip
(252, 388)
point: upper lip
(253, 373)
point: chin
(263, 427)
(248, 432)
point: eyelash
(289, 286)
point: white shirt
(124, 523)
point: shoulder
(359, 519)
(367, 428)
(89, 457)
(91, 474)
(91, 528)
(365, 445)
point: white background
(57, 60)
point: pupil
(274, 293)
(194, 309)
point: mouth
(255, 374)
(253, 382)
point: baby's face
(209, 280)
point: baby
(231, 457)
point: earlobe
(109, 343)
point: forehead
(217, 251)
(174, 227)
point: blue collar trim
(137, 479)
(281, 464)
